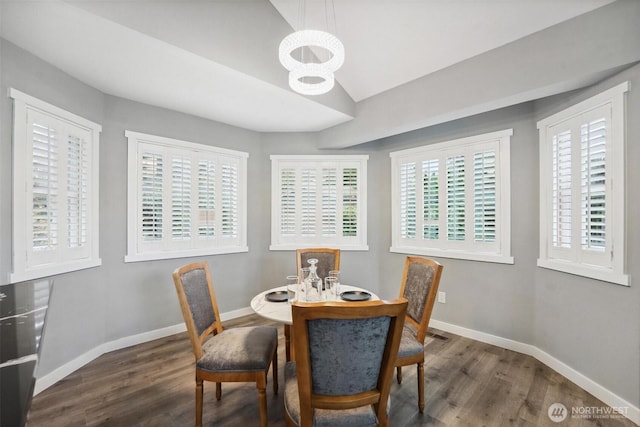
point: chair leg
(218, 391)
(198, 402)
(261, 384)
(399, 374)
(274, 365)
(287, 342)
(421, 387)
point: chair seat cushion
(409, 345)
(362, 416)
(239, 349)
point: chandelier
(311, 78)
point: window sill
(293, 247)
(592, 272)
(443, 253)
(52, 270)
(152, 256)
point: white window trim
(503, 255)
(133, 223)
(21, 270)
(277, 245)
(615, 170)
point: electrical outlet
(442, 297)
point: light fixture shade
(311, 38)
(311, 70)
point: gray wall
(590, 325)
(593, 326)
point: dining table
(279, 309)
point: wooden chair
(328, 259)
(419, 286)
(223, 355)
(345, 353)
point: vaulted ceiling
(217, 59)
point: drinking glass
(292, 287)
(331, 288)
(303, 273)
(336, 274)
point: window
(184, 199)
(452, 199)
(319, 201)
(55, 190)
(582, 188)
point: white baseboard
(632, 412)
(46, 381)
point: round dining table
(281, 311)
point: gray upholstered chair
(328, 259)
(223, 355)
(345, 353)
(420, 282)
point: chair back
(328, 259)
(198, 303)
(345, 354)
(419, 286)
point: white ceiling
(217, 59)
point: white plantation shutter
(181, 198)
(456, 198)
(484, 196)
(461, 190)
(308, 208)
(229, 203)
(45, 193)
(582, 165)
(580, 188)
(151, 195)
(431, 199)
(593, 171)
(190, 198)
(288, 197)
(318, 200)
(329, 201)
(77, 191)
(408, 200)
(350, 202)
(55, 190)
(206, 216)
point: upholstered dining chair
(345, 353)
(419, 286)
(328, 260)
(241, 354)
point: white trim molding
(46, 381)
(584, 382)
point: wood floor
(468, 383)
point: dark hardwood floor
(468, 383)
